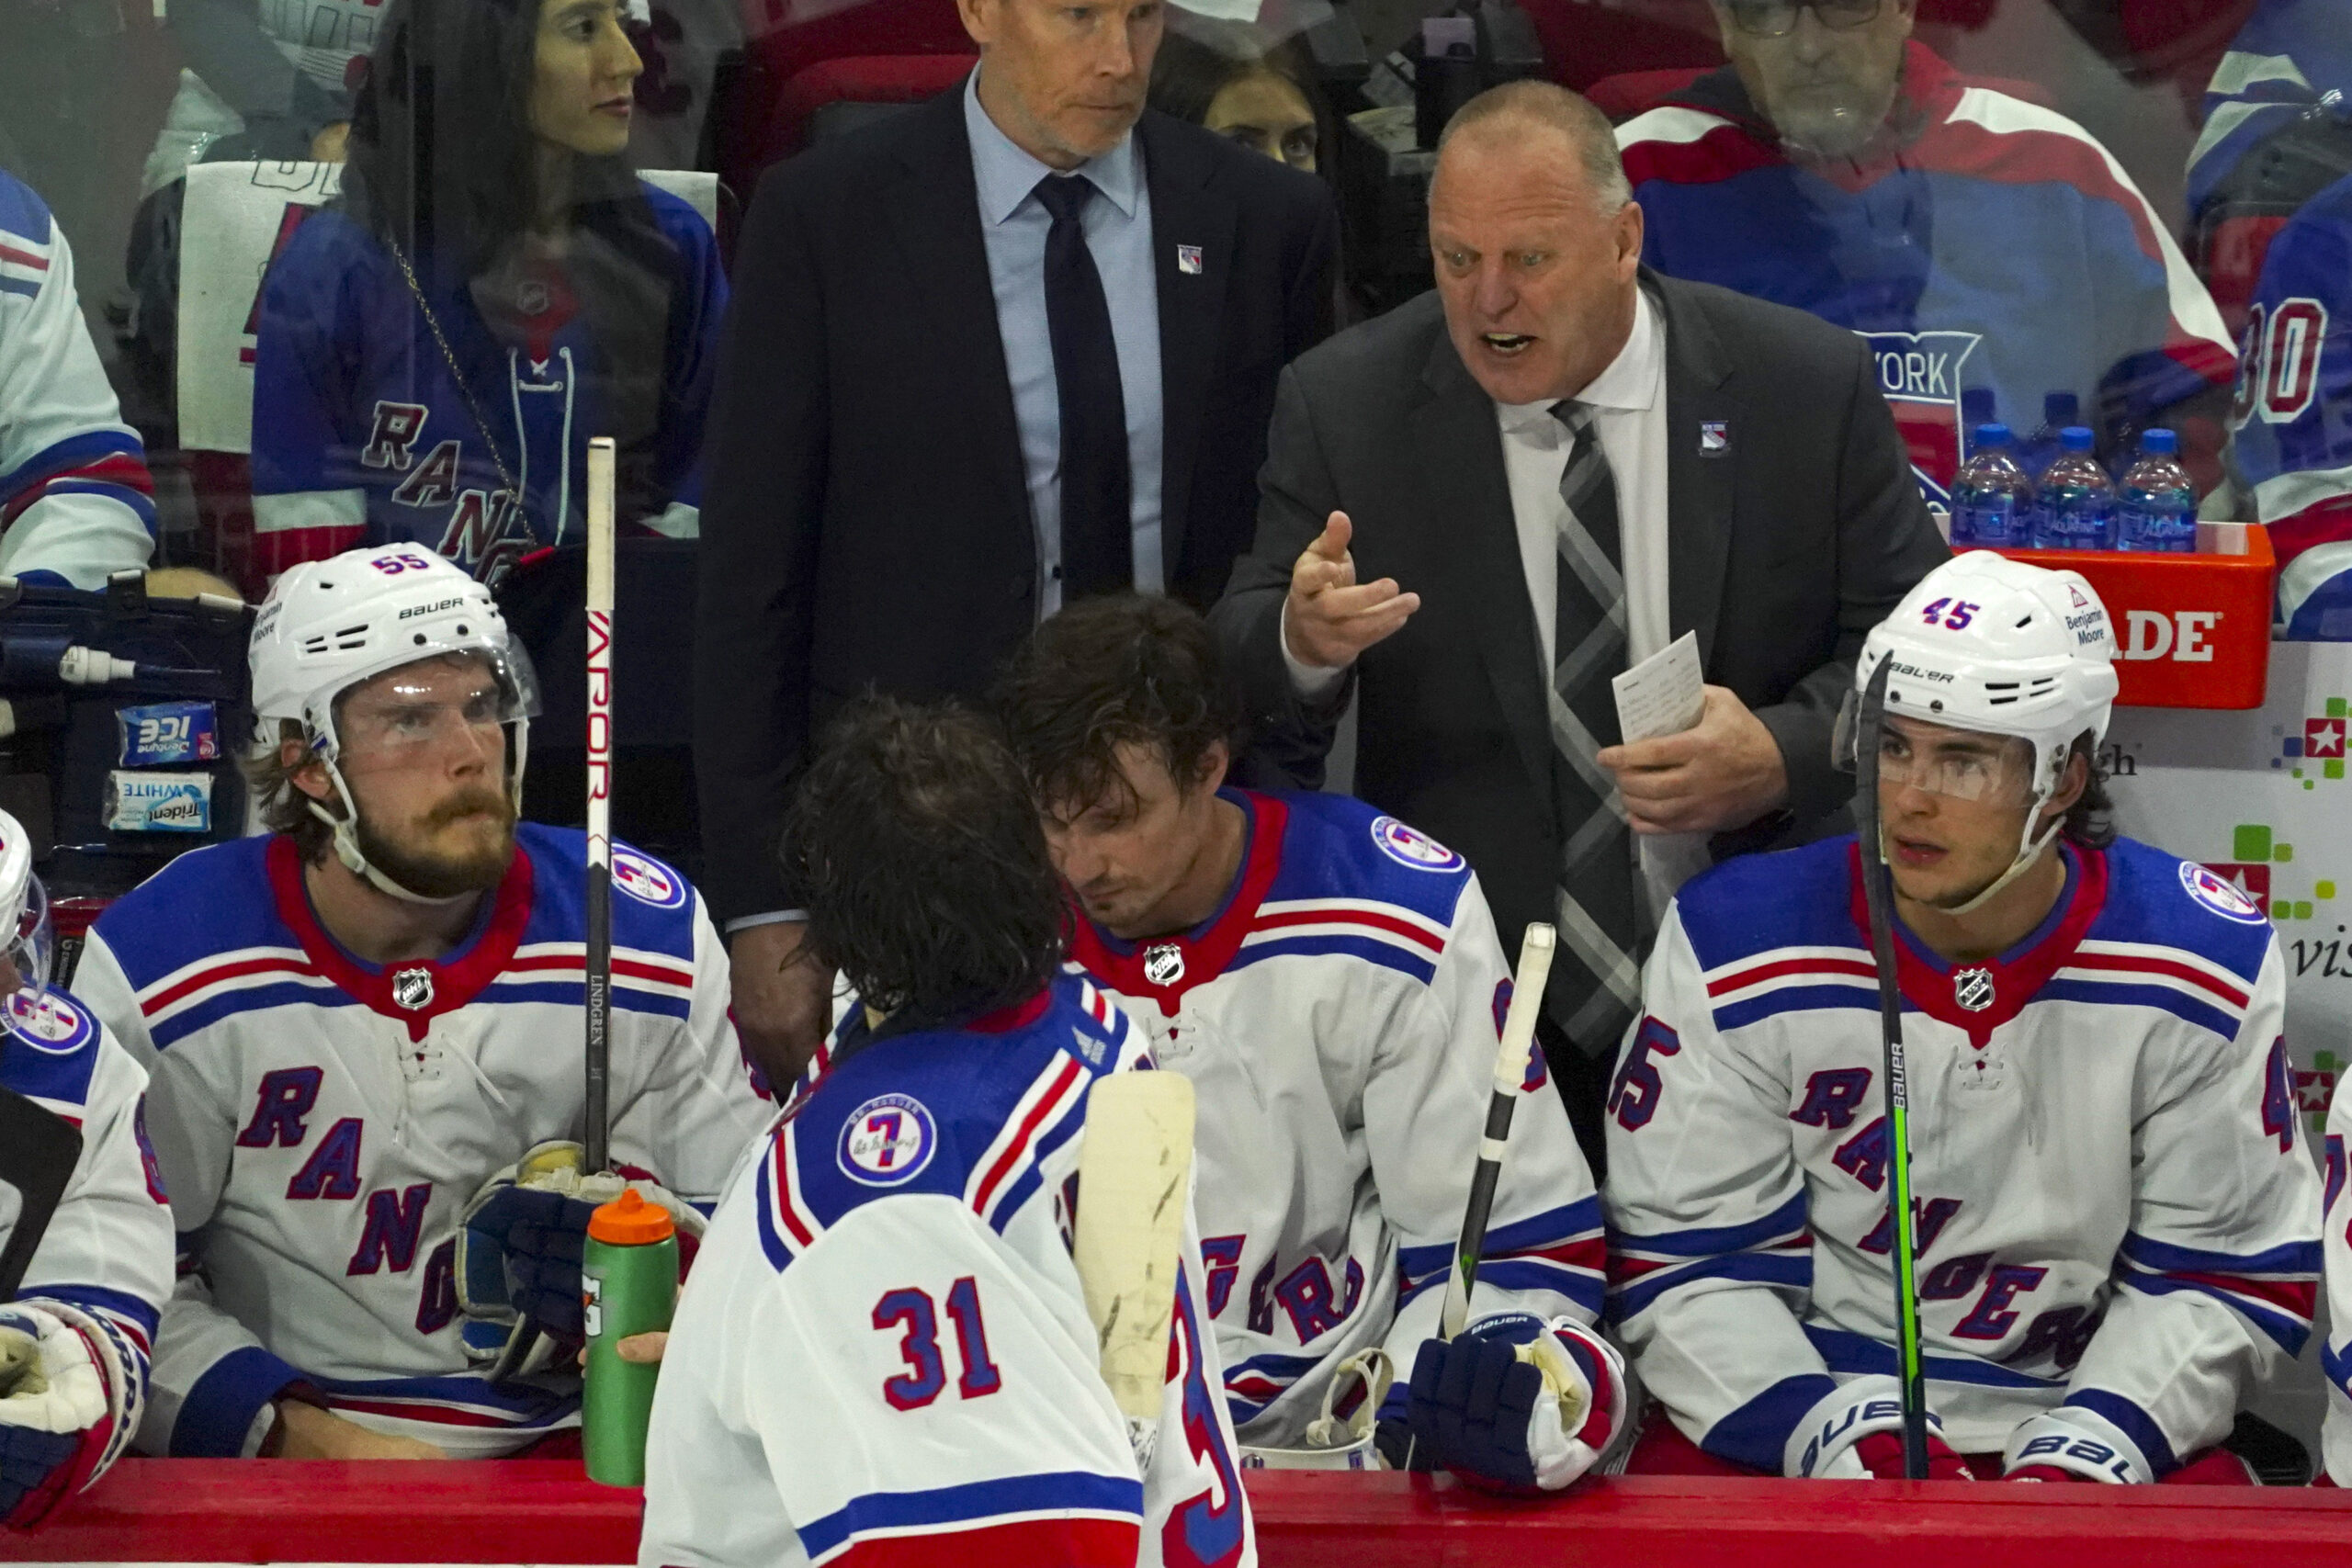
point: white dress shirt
(1628, 404)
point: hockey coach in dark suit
(1478, 509)
(1014, 345)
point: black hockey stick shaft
(38, 1150)
(1535, 950)
(1878, 896)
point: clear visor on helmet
(25, 979)
(1960, 765)
(434, 705)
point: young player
(84, 1317)
(1332, 982)
(2118, 1236)
(884, 1350)
(354, 1021)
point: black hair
(1195, 64)
(442, 155)
(912, 843)
(2090, 821)
(1129, 670)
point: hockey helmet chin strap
(346, 827)
(2029, 845)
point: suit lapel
(935, 210)
(1459, 454)
(1699, 482)
(1188, 209)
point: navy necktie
(1097, 528)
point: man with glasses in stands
(1991, 250)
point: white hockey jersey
(883, 1354)
(322, 1122)
(75, 497)
(104, 1263)
(1339, 1018)
(2117, 1234)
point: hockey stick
(595, 1139)
(38, 1150)
(597, 1153)
(1135, 1173)
(1878, 894)
(1510, 1072)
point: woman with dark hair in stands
(1228, 78)
(492, 289)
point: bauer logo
(648, 881)
(48, 1023)
(1410, 846)
(887, 1141)
(2220, 894)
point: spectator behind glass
(75, 497)
(493, 287)
(1230, 79)
(1836, 166)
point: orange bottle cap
(629, 1220)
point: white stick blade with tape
(1134, 1179)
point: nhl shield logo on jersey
(412, 988)
(887, 1141)
(1163, 964)
(1972, 989)
(647, 881)
(49, 1023)
(2219, 893)
(1410, 846)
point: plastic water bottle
(2038, 450)
(1992, 501)
(629, 1280)
(2077, 498)
(2158, 503)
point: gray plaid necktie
(1596, 988)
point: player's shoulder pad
(1338, 850)
(2159, 900)
(1752, 904)
(23, 214)
(653, 905)
(210, 901)
(969, 1113)
(51, 1053)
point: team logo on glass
(412, 988)
(1972, 988)
(2219, 893)
(1163, 965)
(1410, 846)
(887, 1141)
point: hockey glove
(2072, 1443)
(1836, 1441)
(521, 1238)
(1516, 1403)
(54, 1411)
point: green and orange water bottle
(628, 1282)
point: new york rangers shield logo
(1920, 374)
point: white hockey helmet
(329, 626)
(24, 916)
(1997, 647)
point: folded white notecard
(1664, 694)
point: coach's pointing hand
(1330, 619)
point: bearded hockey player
(2118, 1236)
(1332, 982)
(354, 1022)
(884, 1353)
(74, 1342)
